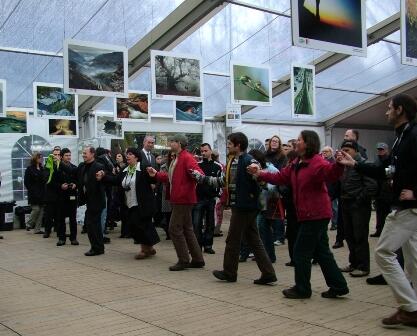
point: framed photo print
(107, 127)
(135, 108)
(189, 112)
(409, 32)
(303, 96)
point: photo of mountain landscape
(409, 32)
(50, 101)
(331, 25)
(303, 91)
(14, 121)
(175, 76)
(135, 108)
(2, 97)
(95, 69)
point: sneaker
(292, 293)
(277, 243)
(265, 280)
(376, 280)
(221, 275)
(347, 269)
(333, 293)
(358, 273)
(251, 255)
(60, 243)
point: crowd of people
(291, 193)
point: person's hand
(407, 195)
(253, 169)
(196, 175)
(99, 175)
(73, 186)
(345, 159)
(151, 171)
(64, 186)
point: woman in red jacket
(307, 177)
(182, 197)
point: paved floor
(49, 290)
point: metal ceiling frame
(176, 27)
(375, 34)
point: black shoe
(221, 275)
(290, 263)
(75, 242)
(106, 240)
(265, 280)
(209, 250)
(93, 253)
(376, 280)
(376, 234)
(60, 243)
(292, 293)
(179, 266)
(46, 235)
(338, 245)
(333, 293)
(197, 264)
(28, 228)
(218, 235)
(39, 232)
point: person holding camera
(400, 230)
(67, 201)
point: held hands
(64, 186)
(407, 195)
(253, 169)
(99, 175)
(345, 159)
(196, 175)
(151, 171)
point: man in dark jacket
(400, 227)
(243, 193)
(92, 194)
(52, 192)
(356, 195)
(67, 201)
(353, 135)
(206, 196)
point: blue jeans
(334, 210)
(203, 222)
(278, 230)
(265, 227)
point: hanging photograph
(303, 91)
(14, 121)
(176, 77)
(251, 85)
(188, 112)
(2, 97)
(63, 128)
(409, 32)
(136, 108)
(331, 25)
(95, 69)
(50, 101)
(107, 127)
(233, 115)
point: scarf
(131, 169)
(51, 167)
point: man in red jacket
(182, 197)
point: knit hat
(181, 138)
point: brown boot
(401, 317)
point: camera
(390, 171)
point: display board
(303, 97)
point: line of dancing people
(257, 207)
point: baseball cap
(381, 145)
(350, 144)
(181, 138)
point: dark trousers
(356, 221)
(383, 208)
(125, 229)
(278, 231)
(67, 209)
(51, 216)
(243, 225)
(182, 234)
(293, 226)
(94, 230)
(312, 241)
(265, 227)
(143, 230)
(340, 233)
(203, 222)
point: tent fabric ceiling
(235, 34)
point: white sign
(233, 115)
(8, 217)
